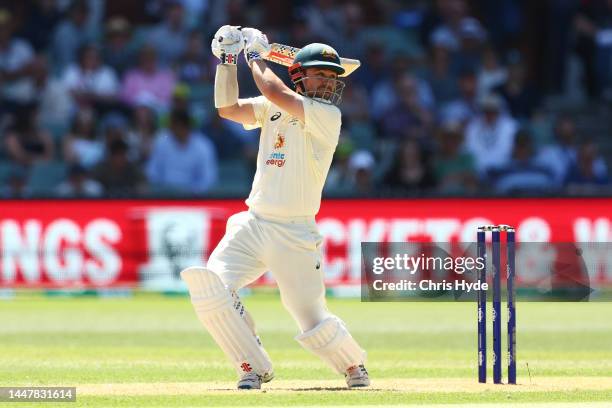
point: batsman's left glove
(256, 45)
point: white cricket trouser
(290, 248)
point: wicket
(496, 316)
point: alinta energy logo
(277, 158)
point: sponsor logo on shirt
(275, 116)
(277, 158)
(280, 142)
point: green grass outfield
(150, 350)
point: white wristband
(226, 85)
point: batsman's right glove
(227, 44)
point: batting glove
(227, 44)
(256, 44)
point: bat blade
(284, 55)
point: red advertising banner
(142, 242)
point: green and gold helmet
(317, 55)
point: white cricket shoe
(357, 376)
(253, 381)
(250, 381)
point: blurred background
(453, 98)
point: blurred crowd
(115, 99)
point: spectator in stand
(356, 117)
(589, 170)
(25, 142)
(361, 167)
(325, 19)
(408, 112)
(473, 38)
(113, 127)
(454, 26)
(18, 65)
(170, 36)
(354, 34)
(41, 19)
(593, 27)
(82, 146)
(194, 12)
(228, 10)
(385, 93)
(299, 31)
(374, 69)
(521, 98)
(559, 156)
(411, 170)
(492, 73)
(142, 131)
(355, 102)
(192, 68)
(439, 75)
(79, 184)
(91, 83)
(465, 107)
(182, 159)
(118, 50)
(490, 136)
(117, 174)
(181, 100)
(17, 184)
(227, 144)
(80, 28)
(339, 178)
(522, 174)
(149, 81)
(454, 169)
(55, 100)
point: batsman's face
(316, 80)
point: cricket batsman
(299, 134)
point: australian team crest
(328, 53)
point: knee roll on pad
(331, 341)
(217, 309)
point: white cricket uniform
(278, 233)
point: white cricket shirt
(293, 158)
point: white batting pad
(223, 317)
(331, 341)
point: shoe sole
(247, 387)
